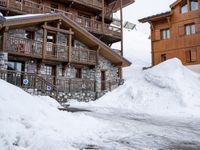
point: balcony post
(5, 38)
(103, 18)
(97, 55)
(121, 18)
(70, 46)
(7, 3)
(44, 41)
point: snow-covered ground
(168, 89)
(154, 109)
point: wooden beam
(57, 29)
(44, 41)
(103, 13)
(70, 46)
(5, 36)
(122, 37)
(97, 55)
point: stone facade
(3, 60)
(69, 71)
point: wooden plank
(70, 46)
(57, 29)
(44, 41)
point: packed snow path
(130, 131)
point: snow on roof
(8, 18)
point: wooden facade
(62, 47)
(176, 33)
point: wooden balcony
(34, 49)
(97, 4)
(83, 56)
(29, 7)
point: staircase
(30, 82)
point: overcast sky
(136, 42)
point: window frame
(165, 34)
(196, 6)
(190, 29)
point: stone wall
(111, 73)
(3, 60)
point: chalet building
(62, 48)
(176, 33)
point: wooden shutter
(181, 30)
(187, 56)
(198, 27)
(193, 55)
(157, 35)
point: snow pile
(167, 89)
(33, 123)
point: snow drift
(167, 89)
(33, 123)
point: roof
(156, 17)
(175, 3)
(80, 33)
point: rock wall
(3, 60)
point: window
(191, 56)
(30, 35)
(165, 34)
(78, 73)
(163, 57)
(194, 5)
(184, 8)
(48, 70)
(190, 29)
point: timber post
(44, 41)
(121, 18)
(70, 46)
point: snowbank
(168, 89)
(33, 123)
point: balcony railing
(28, 6)
(23, 46)
(92, 3)
(82, 55)
(31, 48)
(56, 51)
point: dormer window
(184, 8)
(194, 5)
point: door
(49, 73)
(15, 76)
(103, 80)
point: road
(129, 131)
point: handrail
(29, 81)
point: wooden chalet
(176, 33)
(61, 48)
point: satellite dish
(129, 25)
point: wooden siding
(179, 42)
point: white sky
(136, 43)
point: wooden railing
(31, 48)
(30, 82)
(83, 55)
(92, 3)
(28, 6)
(56, 51)
(75, 85)
(23, 46)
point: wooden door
(103, 80)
